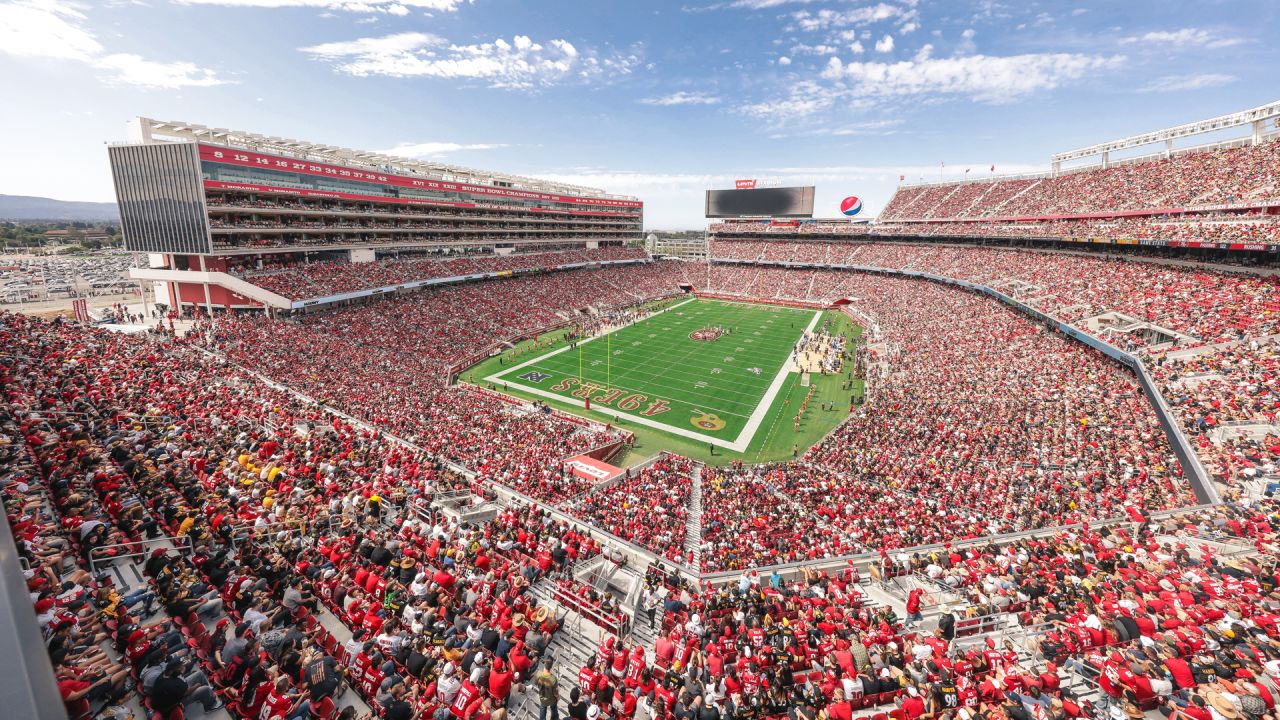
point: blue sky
(656, 99)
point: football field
(703, 369)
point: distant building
(75, 235)
(682, 245)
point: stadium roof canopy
(1256, 116)
(147, 130)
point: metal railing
(619, 625)
(182, 544)
(241, 533)
(969, 630)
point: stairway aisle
(693, 520)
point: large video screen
(764, 202)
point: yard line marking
(677, 394)
(652, 375)
(753, 423)
(567, 347)
(673, 429)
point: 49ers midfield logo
(707, 334)
(707, 421)
(624, 401)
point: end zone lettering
(630, 403)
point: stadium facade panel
(214, 207)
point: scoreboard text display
(761, 202)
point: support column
(208, 303)
(142, 288)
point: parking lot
(47, 284)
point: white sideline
(553, 353)
(757, 417)
(739, 444)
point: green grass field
(736, 392)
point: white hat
(593, 712)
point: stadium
(417, 440)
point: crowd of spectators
(986, 424)
(300, 282)
(111, 440)
(1197, 306)
(1209, 305)
(1144, 613)
(649, 507)
(1219, 228)
(1036, 426)
(284, 505)
(388, 363)
(759, 516)
(1243, 175)
(983, 422)
(1214, 388)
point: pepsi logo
(851, 205)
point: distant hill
(25, 207)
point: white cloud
(866, 127)
(746, 5)
(53, 30)
(784, 60)
(682, 98)
(128, 69)
(980, 77)
(803, 49)
(520, 63)
(885, 44)
(827, 18)
(394, 7)
(46, 30)
(804, 98)
(432, 149)
(764, 4)
(856, 48)
(1174, 83)
(909, 28)
(1189, 37)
